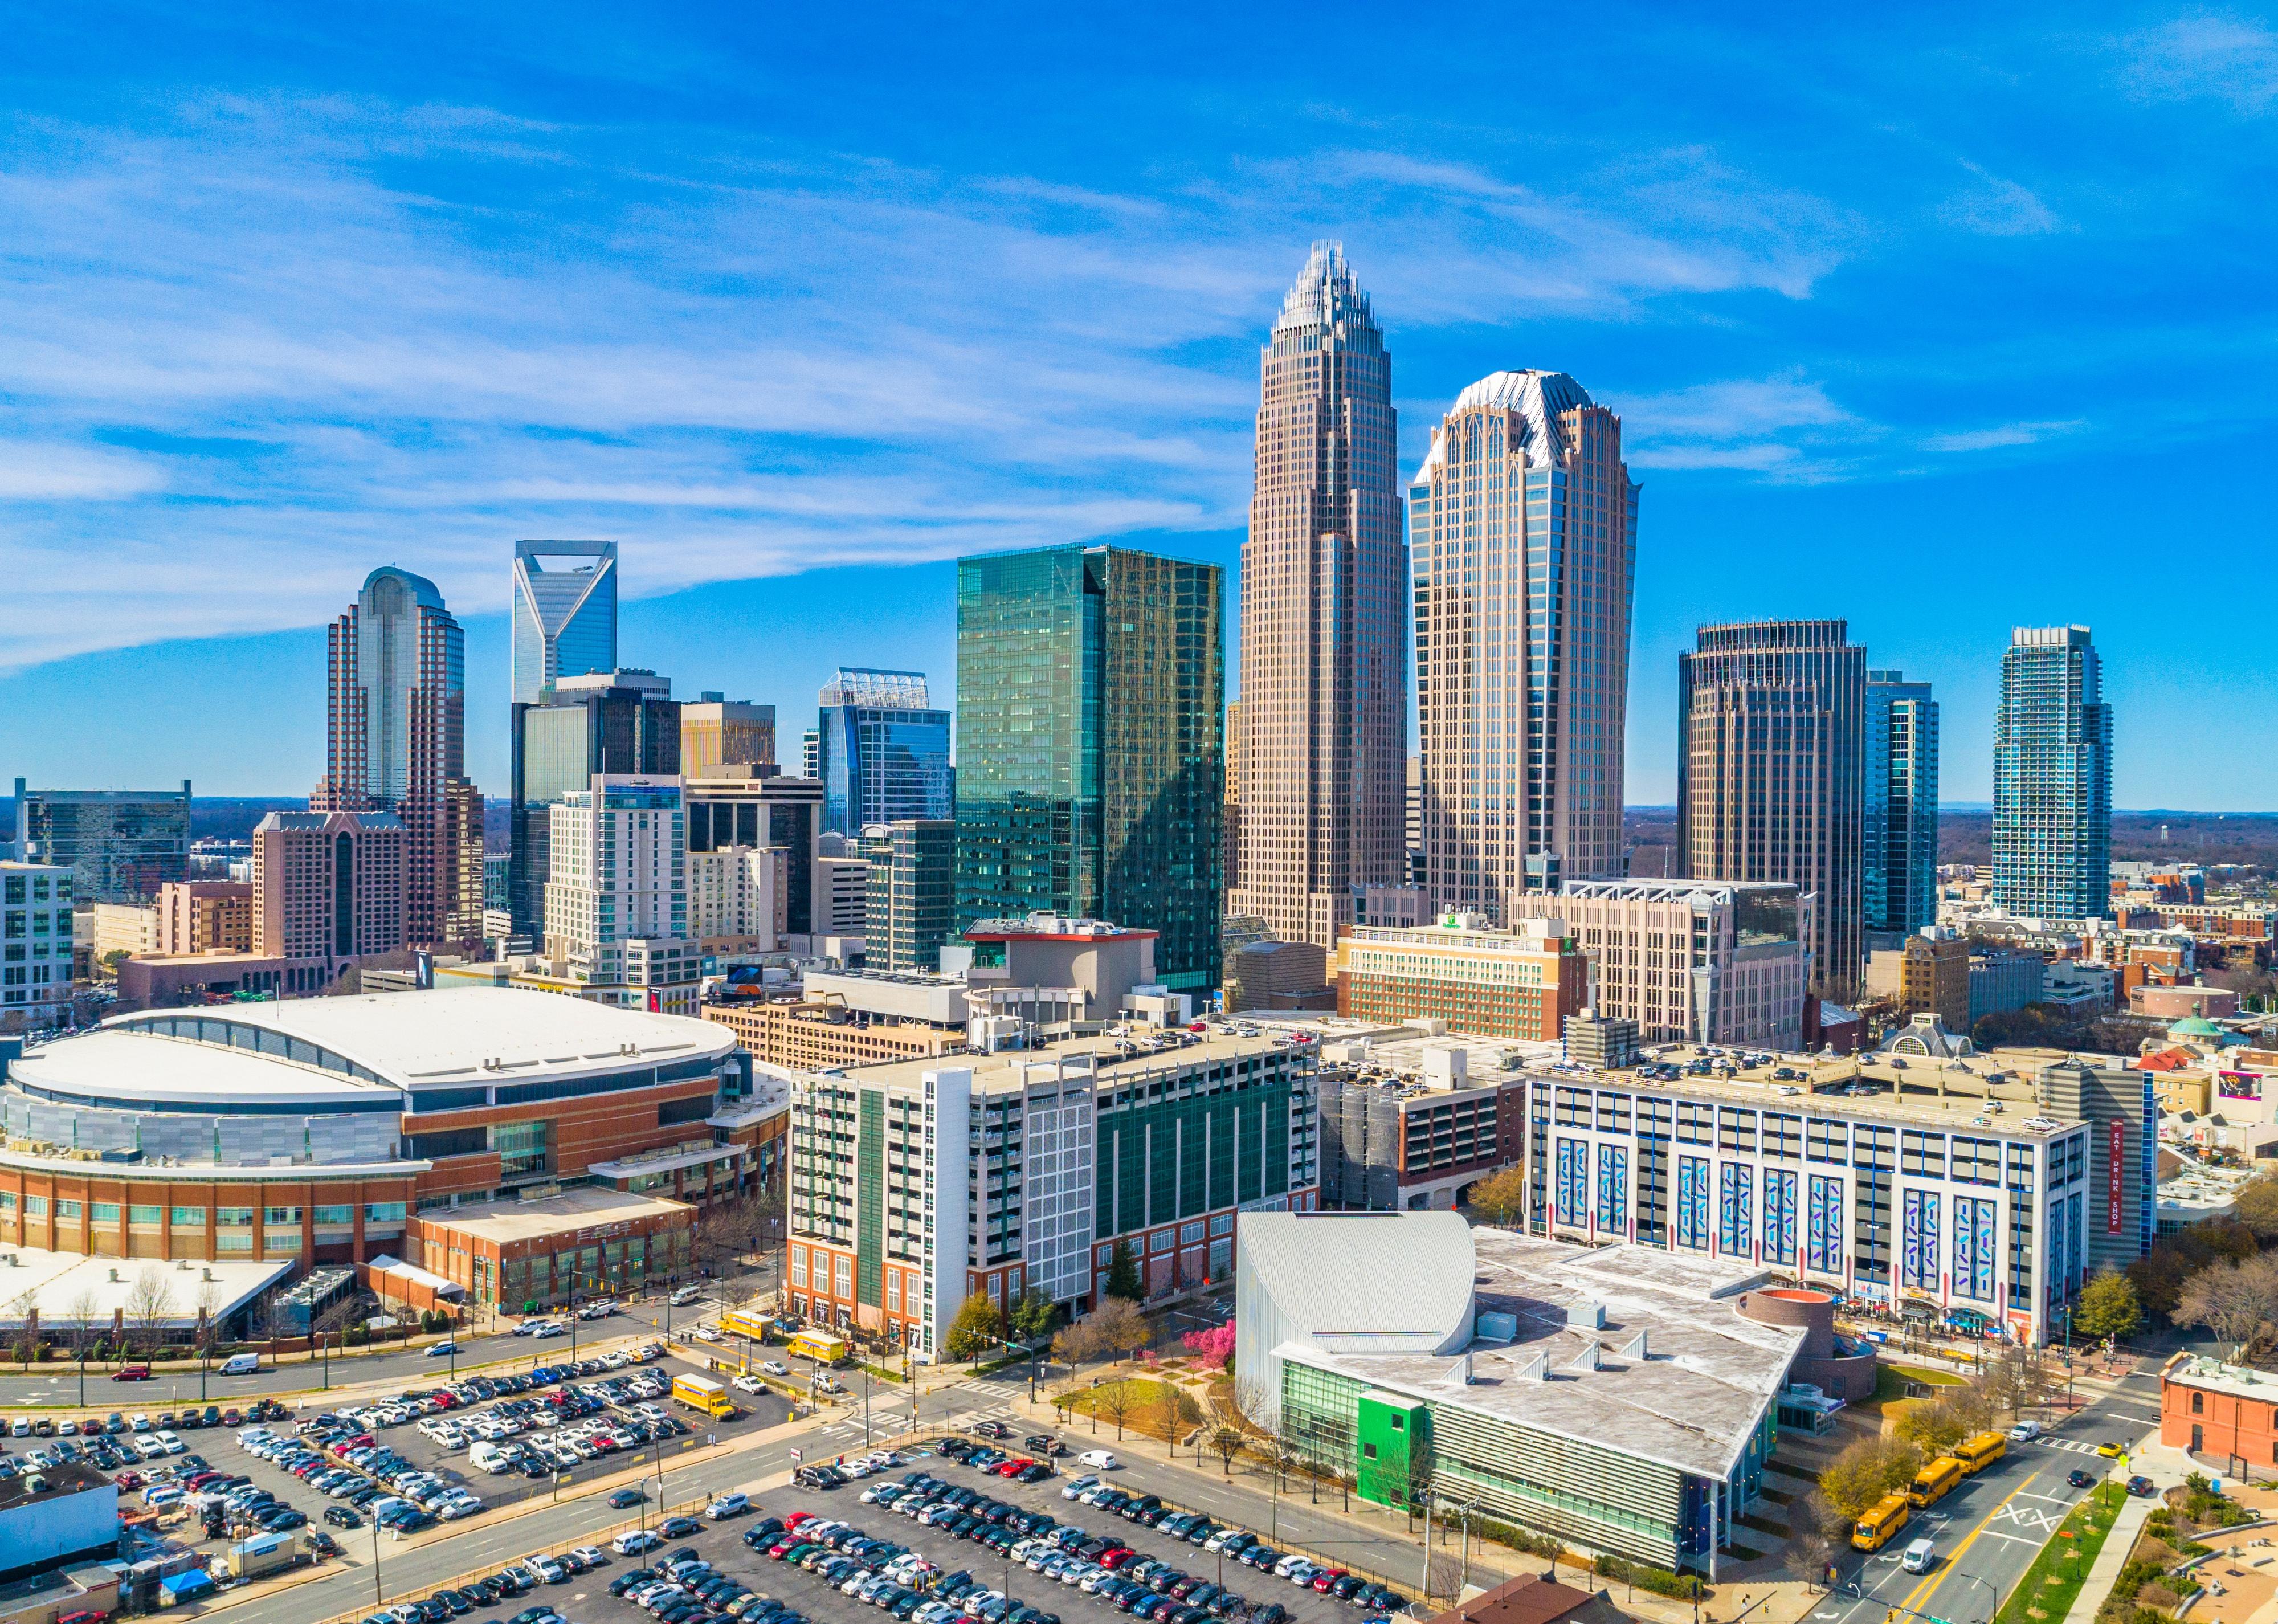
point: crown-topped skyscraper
(1323, 595)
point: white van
(1921, 1557)
(488, 1457)
(242, 1364)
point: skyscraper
(565, 618)
(1522, 535)
(1090, 697)
(2052, 777)
(1324, 599)
(1901, 804)
(1769, 747)
(397, 736)
(880, 750)
(617, 903)
(912, 900)
(622, 723)
(328, 892)
(716, 728)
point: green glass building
(1091, 745)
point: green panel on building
(1394, 1434)
(870, 1198)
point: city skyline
(809, 327)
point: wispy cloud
(2004, 436)
(2228, 59)
(1784, 427)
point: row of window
(340, 1215)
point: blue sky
(1944, 320)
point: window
(7, 1200)
(190, 1217)
(36, 1207)
(382, 1212)
(233, 1217)
(282, 1214)
(106, 1212)
(147, 1215)
(66, 1210)
(2199, 1404)
(338, 1216)
(236, 1241)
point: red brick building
(2226, 1413)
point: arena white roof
(117, 1064)
(60, 1284)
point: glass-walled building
(119, 845)
(565, 613)
(616, 721)
(2052, 777)
(1901, 817)
(881, 750)
(1090, 706)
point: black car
(2079, 1479)
(1271, 1613)
(2140, 1485)
(627, 1497)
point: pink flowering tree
(1212, 1349)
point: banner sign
(2115, 1183)
(2238, 1084)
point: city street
(1989, 1531)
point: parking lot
(553, 1426)
(585, 1597)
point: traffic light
(1890, 1617)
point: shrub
(1660, 1580)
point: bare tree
(1077, 1344)
(1811, 1543)
(85, 1314)
(2233, 1299)
(1170, 1405)
(1226, 1443)
(1116, 1400)
(1121, 1330)
(149, 1304)
(22, 1309)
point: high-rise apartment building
(1710, 961)
(716, 729)
(738, 806)
(881, 749)
(617, 903)
(912, 893)
(119, 845)
(2052, 777)
(736, 898)
(397, 739)
(1090, 694)
(328, 892)
(1522, 536)
(1900, 855)
(1229, 834)
(1324, 602)
(622, 723)
(565, 613)
(1770, 774)
(842, 887)
(35, 940)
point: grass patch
(2052, 1582)
(1890, 1380)
(1135, 1404)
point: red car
(128, 1480)
(1116, 1556)
(798, 1519)
(1327, 1577)
(1007, 1469)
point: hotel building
(916, 1185)
(1522, 983)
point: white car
(748, 1384)
(1098, 1460)
(635, 1541)
(1076, 1486)
(139, 1423)
(707, 1333)
(545, 1329)
(728, 1505)
(174, 1444)
(547, 1569)
(2024, 1432)
(775, 1367)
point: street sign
(797, 1454)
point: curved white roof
(1361, 1283)
(112, 1065)
(1537, 396)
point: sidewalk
(2165, 1467)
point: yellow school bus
(1975, 1454)
(821, 1346)
(1880, 1521)
(1934, 1482)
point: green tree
(2107, 1307)
(977, 1328)
(1865, 1471)
(1123, 1274)
(1501, 1199)
(1033, 1316)
(2256, 1205)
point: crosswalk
(2074, 1444)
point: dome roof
(1537, 396)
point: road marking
(1953, 1557)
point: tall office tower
(717, 728)
(565, 613)
(1522, 530)
(1901, 810)
(119, 845)
(1229, 834)
(616, 899)
(1090, 694)
(398, 734)
(462, 842)
(1323, 603)
(1769, 742)
(2052, 777)
(624, 723)
(735, 805)
(880, 750)
(912, 894)
(328, 892)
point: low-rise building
(60, 1516)
(1264, 973)
(2173, 1003)
(2226, 1415)
(1617, 1397)
(205, 915)
(916, 1185)
(1395, 1142)
(1521, 984)
(594, 1242)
